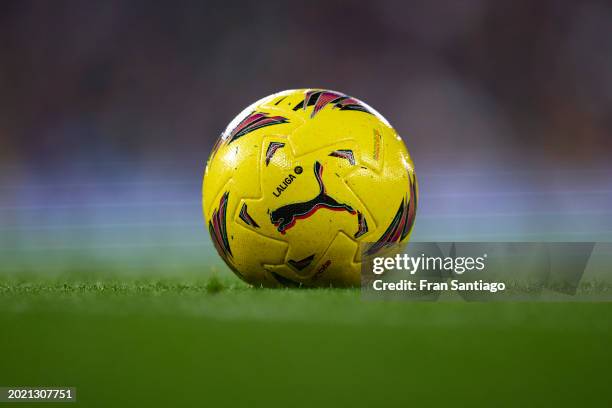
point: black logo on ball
(286, 216)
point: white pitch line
(151, 203)
(197, 244)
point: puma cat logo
(286, 216)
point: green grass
(216, 342)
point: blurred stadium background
(108, 111)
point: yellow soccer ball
(298, 181)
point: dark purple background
(108, 111)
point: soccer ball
(298, 181)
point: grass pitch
(216, 342)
